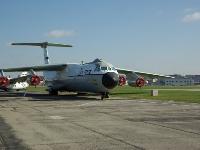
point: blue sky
(154, 36)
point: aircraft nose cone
(110, 80)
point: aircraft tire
(104, 95)
(53, 92)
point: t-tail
(44, 45)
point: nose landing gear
(104, 95)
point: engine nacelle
(139, 82)
(122, 79)
(4, 81)
(35, 80)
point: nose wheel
(104, 95)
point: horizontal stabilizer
(43, 44)
(58, 67)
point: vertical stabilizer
(2, 73)
(46, 56)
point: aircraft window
(109, 68)
(103, 68)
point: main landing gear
(53, 92)
(104, 95)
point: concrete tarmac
(40, 122)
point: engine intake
(122, 80)
(4, 81)
(35, 80)
(140, 82)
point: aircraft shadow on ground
(46, 97)
(8, 140)
(128, 93)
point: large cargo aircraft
(97, 76)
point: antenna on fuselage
(44, 46)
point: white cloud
(194, 17)
(60, 33)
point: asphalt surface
(78, 123)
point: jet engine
(35, 80)
(122, 79)
(4, 81)
(139, 82)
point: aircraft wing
(58, 67)
(139, 73)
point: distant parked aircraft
(19, 83)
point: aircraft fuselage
(16, 86)
(97, 77)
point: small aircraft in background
(19, 83)
(97, 76)
(10, 84)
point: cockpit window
(97, 68)
(104, 68)
(113, 68)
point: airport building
(196, 79)
(178, 80)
